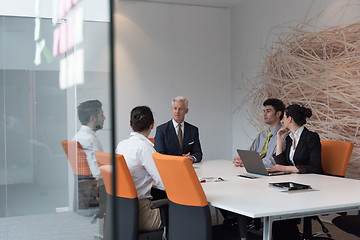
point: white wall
(251, 22)
(166, 50)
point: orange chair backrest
(335, 156)
(103, 158)
(152, 140)
(125, 187)
(181, 183)
(77, 158)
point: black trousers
(157, 194)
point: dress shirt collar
(142, 137)
(176, 125)
(87, 129)
(275, 130)
(297, 134)
(177, 128)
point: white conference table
(254, 198)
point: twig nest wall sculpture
(321, 70)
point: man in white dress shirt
(137, 151)
(92, 118)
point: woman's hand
(277, 168)
(282, 133)
(282, 168)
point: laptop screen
(252, 162)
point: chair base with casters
(307, 230)
(234, 232)
(241, 223)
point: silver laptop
(253, 163)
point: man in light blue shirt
(265, 145)
(273, 113)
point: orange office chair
(152, 140)
(126, 204)
(77, 159)
(335, 157)
(189, 213)
(103, 158)
(87, 185)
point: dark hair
(88, 109)
(141, 118)
(277, 104)
(298, 113)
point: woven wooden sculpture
(321, 70)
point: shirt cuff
(195, 160)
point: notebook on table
(253, 163)
(290, 186)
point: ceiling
(210, 3)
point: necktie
(263, 151)
(180, 135)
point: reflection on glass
(37, 185)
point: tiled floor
(56, 226)
(79, 226)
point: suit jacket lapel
(174, 133)
(287, 148)
(186, 136)
(300, 144)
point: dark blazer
(307, 156)
(166, 141)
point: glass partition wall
(40, 89)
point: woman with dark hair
(302, 154)
(137, 151)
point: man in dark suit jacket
(177, 137)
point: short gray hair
(180, 99)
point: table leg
(242, 223)
(267, 231)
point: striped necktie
(180, 138)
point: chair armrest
(160, 203)
(163, 205)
